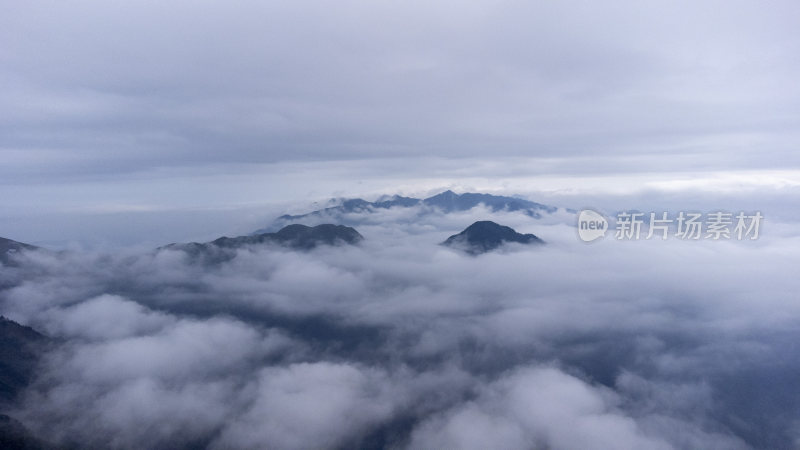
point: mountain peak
(295, 236)
(448, 194)
(482, 226)
(485, 235)
(355, 211)
(303, 236)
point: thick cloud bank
(401, 342)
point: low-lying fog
(400, 341)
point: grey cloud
(536, 407)
(105, 317)
(98, 88)
(546, 407)
(399, 341)
(190, 120)
(311, 405)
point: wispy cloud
(401, 341)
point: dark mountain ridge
(9, 249)
(295, 236)
(447, 201)
(20, 348)
(485, 235)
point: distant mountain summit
(485, 235)
(447, 201)
(296, 236)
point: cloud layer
(98, 88)
(399, 341)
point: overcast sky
(109, 107)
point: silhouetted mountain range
(22, 348)
(447, 201)
(480, 237)
(19, 350)
(485, 235)
(295, 236)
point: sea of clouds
(401, 342)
